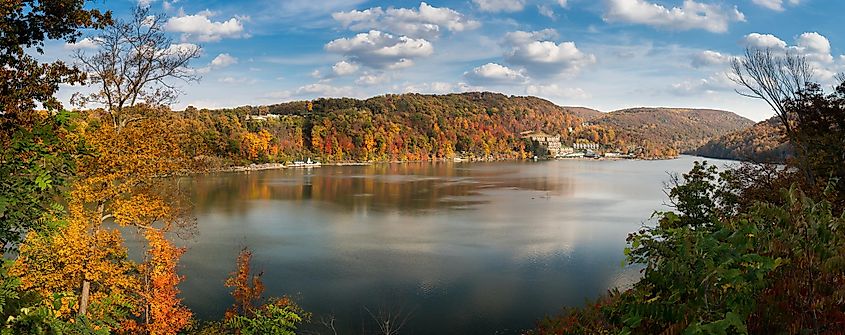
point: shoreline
(278, 166)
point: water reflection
(407, 187)
(469, 248)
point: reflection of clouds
(405, 187)
(507, 241)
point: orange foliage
(164, 311)
(247, 287)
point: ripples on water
(463, 248)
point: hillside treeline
(762, 142)
(407, 127)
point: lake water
(452, 248)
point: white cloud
(776, 5)
(562, 3)
(718, 82)
(343, 68)
(380, 50)
(555, 91)
(325, 90)
(542, 57)
(546, 11)
(426, 21)
(178, 49)
(145, 3)
(692, 15)
(237, 80)
(370, 79)
(710, 58)
(200, 28)
(223, 60)
(500, 5)
(523, 37)
(814, 47)
(494, 74)
(85, 43)
(763, 41)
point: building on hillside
(586, 146)
(544, 144)
(264, 117)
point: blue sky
(604, 54)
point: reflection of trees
(406, 187)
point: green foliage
(37, 161)
(26, 312)
(279, 317)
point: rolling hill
(679, 128)
(762, 142)
(485, 125)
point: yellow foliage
(58, 262)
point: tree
(36, 147)
(27, 24)
(164, 313)
(136, 62)
(772, 78)
(819, 131)
(246, 287)
(247, 316)
(776, 79)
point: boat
(306, 164)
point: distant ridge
(762, 142)
(685, 129)
(481, 124)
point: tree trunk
(83, 301)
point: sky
(602, 54)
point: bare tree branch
(136, 62)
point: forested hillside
(387, 128)
(405, 127)
(681, 129)
(762, 142)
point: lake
(452, 248)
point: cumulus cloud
(555, 91)
(200, 27)
(776, 5)
(813, 46)
(541, 57)
(522, 37)
(710, 58)
(494, 74)
(381, 50)
(692, 15)
(763, 41)
(500, 5)
(426, 21)
(343, 68)
(223, 60)
(85, 43)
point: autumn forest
(731, 257)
